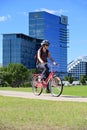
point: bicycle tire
(37, 90)
(56, 86)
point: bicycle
(54, 81)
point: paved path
(42, 96)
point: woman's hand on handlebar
(54, 63)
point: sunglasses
(46, 45)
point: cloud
(4, 18)
(23, 13)
(59, 12)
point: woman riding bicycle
(42, 55)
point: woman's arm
(49, 56)
(38, 56)
(51, 59)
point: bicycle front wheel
(36, 86)
(56, 86)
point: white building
(78, 67)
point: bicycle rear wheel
(36, 86)
(56, 86)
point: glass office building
(44, 25)
(19, 48)
(78, 67)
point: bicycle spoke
(56, 86)
(36, 86)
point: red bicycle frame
(44, 83)
(54, 82)
(49, 77)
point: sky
(14, 19)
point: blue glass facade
(53, 28)
(19, 48)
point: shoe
(48, 91)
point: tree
(15, 74)
(83, 79)
(5, 76)
(19, 74)
(70, 79)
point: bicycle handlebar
(52, 66)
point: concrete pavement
(42, 96)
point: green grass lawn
(75, 91)
(32, 114)
(20, 89)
